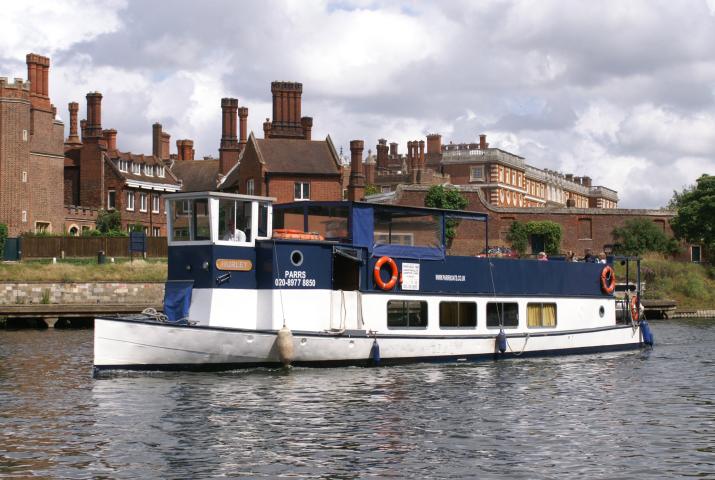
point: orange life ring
(389, 285)
(634, 308)
(608, 280)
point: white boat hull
(128, 344)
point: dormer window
(123, 165)
(160, 171)
(149, 170)
(136, 168)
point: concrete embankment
(693, 314)
(50, 303)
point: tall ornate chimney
(229, 149)
(356, 186)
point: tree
(371, 190)
(109, 222)
(640, 235)
(520, 232)
(695, 217)
(449, 198)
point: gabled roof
(114, 156)
(196, 175)
(290, 156)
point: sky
(621, 91)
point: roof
(115, 155)
(290, 156)
(196, 175)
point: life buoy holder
(634, 308)
(608, 280)
(390, 284)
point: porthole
(296, 258)
(601, 311)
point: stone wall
(13, 293)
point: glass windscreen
(400, 228)
(234, 220)
(289, 218)
(331, 222)
(190, 220)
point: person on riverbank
(589, 257)
(542, 257)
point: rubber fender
(648, 337)
(501, 341)
(284, 344)
(375, 352)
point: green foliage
(449, 198)
(695, 217)
(640, 235)
(3, 236)
(519, 234)
(371, 190)
(109, 221)
(690, 284)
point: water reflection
(627, 415)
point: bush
(639, 236)
(520, 232)
(449, 198)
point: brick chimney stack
(382, 150)
(422, 155)
(412, 158)
(156, 140)
(434, 144)
(307, 124)
(267, 128)
(94, 115)
(185, 150)
(38, 73)
(165, 143)
(110, 137)
(483, 145)
(356, 186)
(393, 149)
(286, 110)
(83, 129)
(243, 127)
(73, 138)
(229, 149)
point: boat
(314, 283)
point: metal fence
(68, 247)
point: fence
(47, 247)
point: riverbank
(84, 270)
(691, 285)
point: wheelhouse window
(130, 201)
(541, 315)
(262, 220)
(502, 315)
(234, 220)
(406, 314)
(190, 220)
(457, 314)
(301, 191)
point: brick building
(287, 163)
(98, 176)
(31, 153)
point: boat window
(190, 220)
(329, 221)
(290, 218)
(262, 220)
(180, 220)
(541, 315)
(458, 314)
(406, 314)
(234, 220)
(502, 314)
(413, 229)
(202, 223)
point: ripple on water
(619, 415)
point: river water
(639, 414)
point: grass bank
(84, 270)
(690, 284)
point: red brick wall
(321, 188)
(46, 171)
(91, 175)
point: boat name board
(410, 276)
(234, 264)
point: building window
(136, 168)
(541, 315)
(502, 315)
(250, 190)
(149, 170)
(584, 229)
(302, 191)
(695, 253)
(458, 314)
(24, 135)
(130, 201)
(24, 177)
(406, 314)
(476, 174)
(123, 165)
(111, 200)
(42, 227)
(155, 232)
(155, 203)
(142, 202)
(160, 172)
(24, 216)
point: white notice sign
(410, 276)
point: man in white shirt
(232, 234)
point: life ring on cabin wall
(608, 280)
(634, 308)
(390, 284)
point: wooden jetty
(51, 313)
(659, 308)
